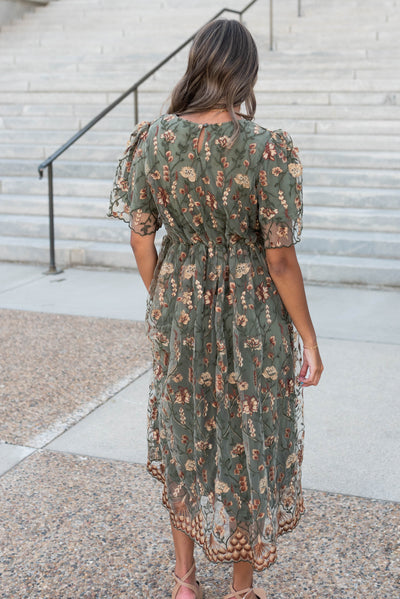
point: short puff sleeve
(280, 203)
(131, 199)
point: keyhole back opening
(201, 139)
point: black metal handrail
(48, 163)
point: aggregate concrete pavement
(350, 469)
(351, 418)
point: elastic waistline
(219, 241)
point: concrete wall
(14, 9)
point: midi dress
(225, 411)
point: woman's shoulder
(163, 121)
(142, 135)
(278, 137)
(144, 128)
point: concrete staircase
(333, 82)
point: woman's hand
(311, 368)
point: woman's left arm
(145, 254)
(286, 274)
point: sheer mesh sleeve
(280, 205)
(131, 199)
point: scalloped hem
(238, 549)
(122, 216)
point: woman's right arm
(285, 271)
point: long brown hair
(221, 72)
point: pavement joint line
(83, 456)
(16, 444)
(24, 283)
(35, 450)
(352, 495)
(41, 440)
(86, 456)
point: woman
(225, 411)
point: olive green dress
(225, 417)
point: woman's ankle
(182, 567)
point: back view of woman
(226, 299)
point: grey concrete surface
(351, 443)
(343, 312)
(355, 313)
(10, 455)
(352, 421)
(74, 291)
(352, 418)
(115, 430)
(13, 276)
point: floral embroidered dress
(225, 417)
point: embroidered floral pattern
(225, 415)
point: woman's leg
(242, 576)
(184, 560)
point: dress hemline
(191, 527)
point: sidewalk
(74, 484)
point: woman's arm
(145, 254)
(286, 274)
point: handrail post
(299, 8)
(271, 25)
(52, 267)
(136, 102)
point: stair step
(62, 168)
(342, 197)
(350, 270)
(62, 187)
(59, 137)
(92, 103)
(352, 177)
(126, 124)
(148, 58)
(323, 72)
(72, 175)
(316, 216)
(34, 116)
(270, 119)
(335, 89)
(51, 140)
(315, 268)
(83, 229)
(74, 206)
(109, 153)
(70, 97)
(352, 219)
(350, 159)
(323, 241)
(338, 142)
(370, 244)
(68, 252)
(162, 83)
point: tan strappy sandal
(180, 582)
(259, 593)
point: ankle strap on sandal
(238, 594)
(259, 593)
(182, 582)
